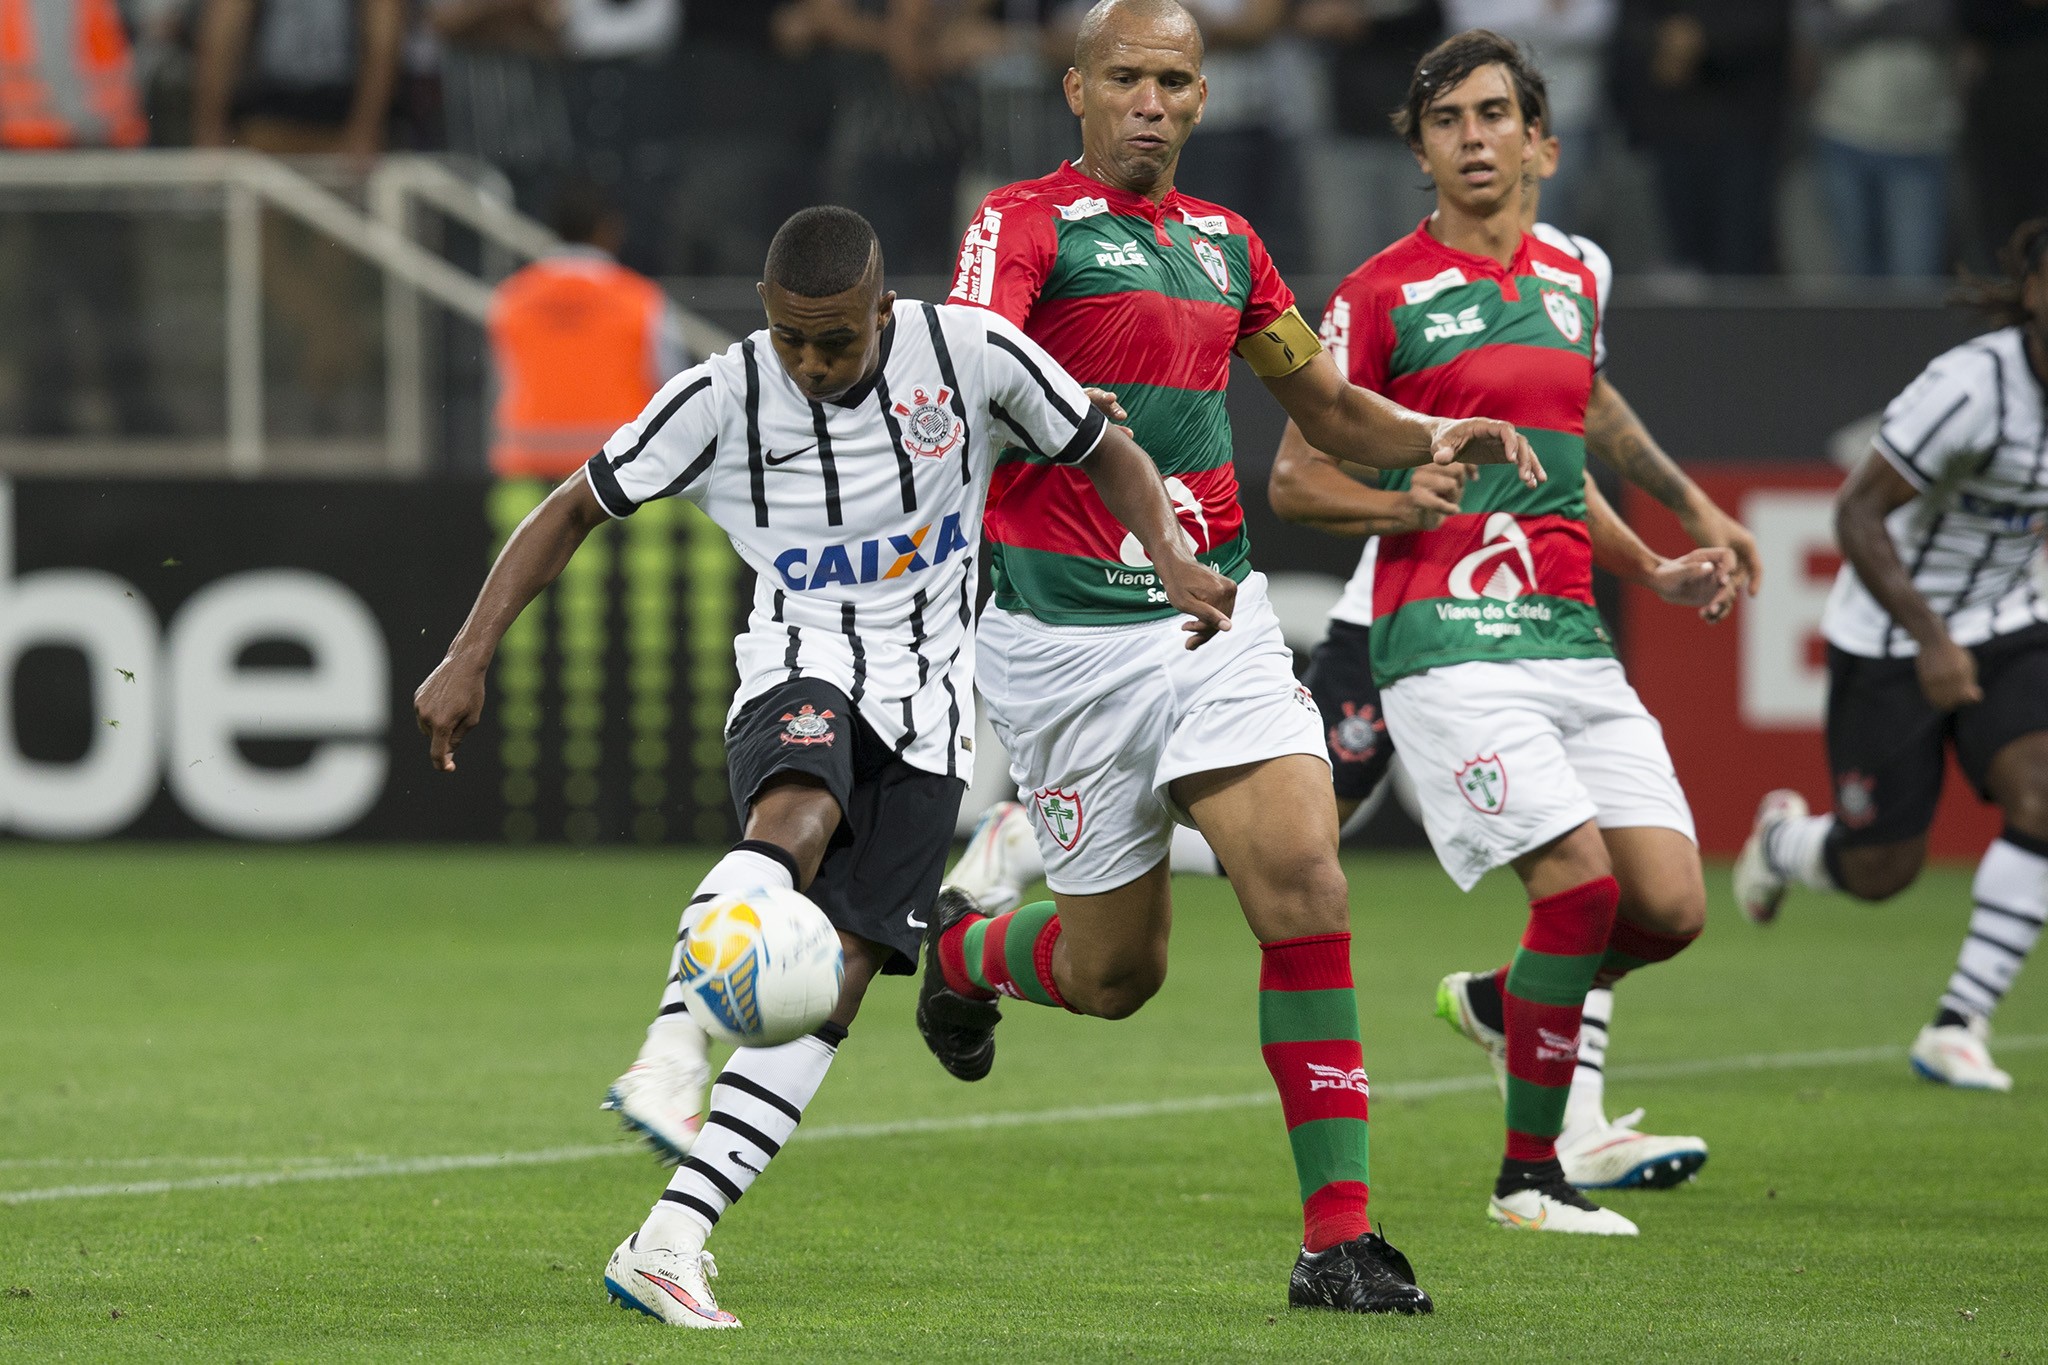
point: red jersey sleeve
(1005, 257)
(1269, 296)
(1357, 333)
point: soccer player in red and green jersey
(1526, 744)
(1114, 731)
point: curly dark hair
(1457, 57)
(2024, 255)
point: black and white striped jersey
(861, 518)
(1968, 434)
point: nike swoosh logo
(772, 458)
(915, 922)
(742, 1162)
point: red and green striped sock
(1011, 954)
(1631, 946)
(1308, 1033)
(1542, 998)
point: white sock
(1586, 1106)
(1191, 853)
(743, 869)
(756, 1103)
(2011, 894)
(1793, 850)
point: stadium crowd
(1898, 136)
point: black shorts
(1340, 677)
(1886, 745)
(882, 869)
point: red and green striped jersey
(1442, 331)
(1148, 300)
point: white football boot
(661, 1096)
(1614, 1156)
(1002, 858)
(1454, 1007)
(1562, 1209)
(1955, 1054)
(670, 1285)
(1759, 890)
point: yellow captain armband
(1281, 347)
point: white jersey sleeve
(1949, 412)
(1042, 406)
(667, 450)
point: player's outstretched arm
(451, 701)
(1129, 485)
(1701, 578)
(1309, 488)
(1948, 672)
(1618, 438)
(1358, 425)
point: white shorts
(1505, 757)
(1099, 720)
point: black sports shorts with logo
(1340, 678)
(882, 869)
(1886, 744)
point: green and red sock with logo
(1542, 999)
(1308, 1033)
(985, 956)
(1631, 946)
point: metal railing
(398, 187)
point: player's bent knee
(1117, 993)
(2026, 805)
(1882, 871)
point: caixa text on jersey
(871, 561)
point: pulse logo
(837, 563)
(1463, 323)
(1114, 254)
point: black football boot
(959, 1031)
(1363, 1275)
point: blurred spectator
(746, 161)
(623, 107)
(1247, 153)
(1702, 85)
(503, 92)
(297, 76)
(2007, 122)
(579, 343)
(1885, 116)
(1568, 39)
(1026, 127)
(1365, 189)
(67, 81)
(904, 115)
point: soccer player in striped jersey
(846, 448)
(1498, 683)
(1116, 733)
(1937, 638)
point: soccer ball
(761, 968)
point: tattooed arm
(1618, 437)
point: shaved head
(1107, 22)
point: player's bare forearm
(1618, 438)
(1129, 485)
(1309, 488)
(451, 700)
(1616, 546)
(1702, 578)
(1363, 427)
(1874, 490)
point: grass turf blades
(268, 1010)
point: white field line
(365, 1167)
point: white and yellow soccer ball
(761, 968)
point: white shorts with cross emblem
(1506, 757)
(1100, 720)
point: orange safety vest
(574, 339)
(66, 79)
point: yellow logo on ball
(724, 936)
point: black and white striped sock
(751, 863)
(2011, 894)
(1586, 1105)
(756, 1103)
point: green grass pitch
(230, 1015)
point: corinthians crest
(1213, 264)
(806, 726)
(930, 428)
